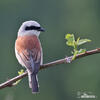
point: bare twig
(51, 64)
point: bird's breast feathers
(26, 46)
(27, 42)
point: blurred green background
(58, 17)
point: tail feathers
(33, 83)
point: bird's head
(30, 28)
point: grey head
(30, 28)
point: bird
(28, 51)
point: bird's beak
(42, 29)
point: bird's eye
(32, 28)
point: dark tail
(33, 83)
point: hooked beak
(41, 29)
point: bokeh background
(58, 17)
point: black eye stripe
(32, 28)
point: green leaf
(70, 39)
(69, 43)
(20, 73)
(81, 51)
(75, 44)
(16, 82)
(77, 40)
(82, 41)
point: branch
(10, 82)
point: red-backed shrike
(28, 51)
